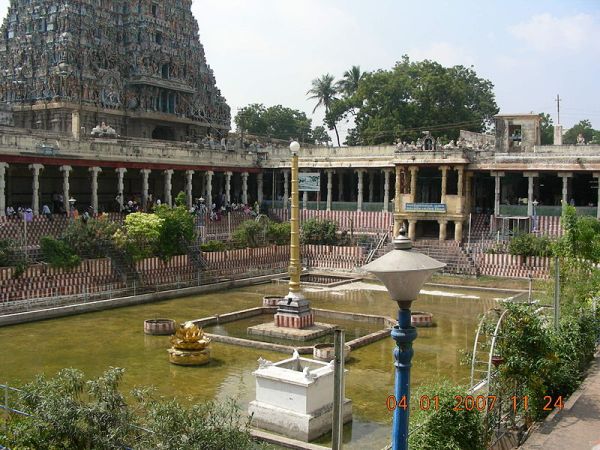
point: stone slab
(306, 334)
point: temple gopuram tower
(66, 66)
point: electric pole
(558, 109)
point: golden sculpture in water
(189, 346)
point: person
(85, 217)
(47, 213)
(572, 201)
(10, 211)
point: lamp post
(295, 268)
(403, 272)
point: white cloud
(547, 33)
(445, 53)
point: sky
(268, 51)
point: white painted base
(304, 427)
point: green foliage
(249, 234)
(213, 246)
(348, 85)
(181, 199)
(276, 122)
(7, 253)
(320, 135)
(278, 233)
(413, 96)
(176, 232)
(324, 91)
(322, 232)
(547, 129)
(70, 412)
(84, 238)
(584, 127)
(530, 245)
(141, 235)
(445, 428)
(58, 253)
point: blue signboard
(425, 207)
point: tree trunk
(337, 135)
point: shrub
(84, 238)
(279, 233)
(249, 234)
(181, 199)
(176, 231)
(213, 246)
(530, 245)
(58, 253)
(142, 233)
(321, 232)
(7, 253)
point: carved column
(145, 175)
(245, 188)
(371, 185)
(565, 186)
(459, 189)
(3, 167)
(228, 176)
(412, 230)
(359, 200)
(120, 186)
(305, 200)
(340, 185)
(497, 190)
(35, 199)
(398, 201)
(444, 170)
(95, 171)
(414, 170)
(209, 180)
(189, 196)
(443, 229)
(469, 192)
(65, 171)
(530, 185)
(329, 188)
(386, 189)
(458, 230)
(286, 192)
(259, 187)
(168, 174)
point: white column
(189, 176)
(565, 186)
(497, 190)
(65, 171)
(286, 193)
(3, 167)
(120, 186)
(168, 186)
(245, 188)
(305, 200)
(259, 187)
(145, 175)
(530, 185)
(459, 190)
(444, 188)
(209, 180)
(329, 188)
(95, 171)
(371, 185)
(35, 199)
(596, 176)
(340, 185)
(386, 189)
(359, 200)
(414, 171)
(228, 176)
(443, 229)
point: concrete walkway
(577, 426)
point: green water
(93, 342)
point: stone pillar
(120, 186)
(398, 201)
(228, 176)
(414, 170)
(565, 186)
(458, 230)
(558, 134)
(371, 185)
(329, 188)
(245, 188)
(95, 171)
(443, 229)
(412, 230)
(35, 199)
(459, 189)
(340, 185)
(286, 185)
(168, 174)
(305, 200)
(530, 185)
(75, 125)
(259, 187)
(65, 171)
(3, 167)
(596, 175)
(209, 183)
(145, 175)
(189, 195)
(497, 190)
(468, 192)
(359, 200)
(444, 170)
(386, 189)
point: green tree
(348, 85)
(320, 135)
(278, 122)
(322, 232)
(176, 231)
(251, 119)
(141, 234)
(414, 96)
(323, 90)
(58, 253)
(584, 128)
(547, 129)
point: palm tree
(349, 82)
(323, 90)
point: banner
(425, 207)
(309, 181)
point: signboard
(425, 207)
(309, 181)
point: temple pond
(93, 342)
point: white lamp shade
(294, 147)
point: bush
(84, 238)
(58, 253)
(530, 245)
(279, 233)
(320, 232)
(249, 234)
(141, 236)
(213, 246)
(7, 253)
(176, 232)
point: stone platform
(296, 334)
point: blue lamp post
(403, 272)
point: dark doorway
(163, 133)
